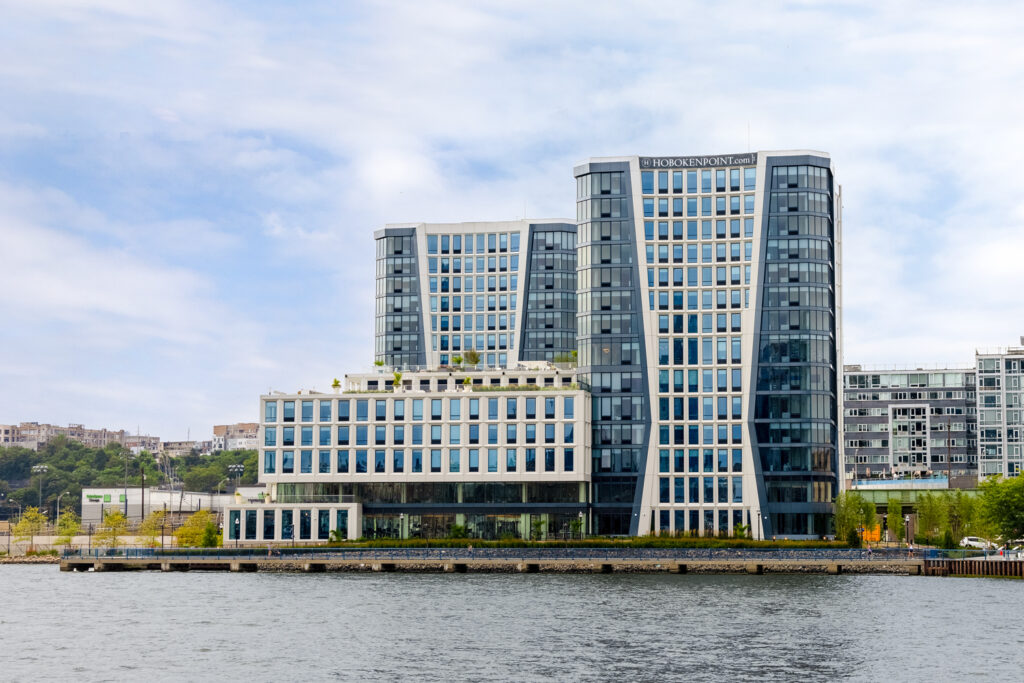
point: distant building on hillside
(137, 444)
(32, 435)
(242, 435)
(176, 449)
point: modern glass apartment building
(910, 421)
(505, 290)
(709, 336)
(1000, 378)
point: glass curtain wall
(796, 428)
(610, 342)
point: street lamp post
(236, 470)
(41, 470)
(580, 515)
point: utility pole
(142, 491)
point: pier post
(755, 569)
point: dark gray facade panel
(790, 451)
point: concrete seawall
(494, 565)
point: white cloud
(263, 145)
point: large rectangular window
(305, 525)
(324, 462)
(268, 525)
(269, 466)
(250, 525)
(288, 462)
(287, 525)
(323, 525)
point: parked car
(976, 542)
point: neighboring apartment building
(1000, 384)
(503, 455)
(708, 324)
(910, 421)
(506, 290)
(239, 436)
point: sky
(188, 189)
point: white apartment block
(1000, 377)
(493, 455)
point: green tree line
(72, 466)
(942, 518)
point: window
(343, 414)
(362, 410)
(361, 462)
(568, 460)
(307, 411)
(289, 411)
(342, 462)
(269, 466)
(287, 462)
(324, 462)
(270, 411)
(549, 459)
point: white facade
(373, 443)
(1000, 377)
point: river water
(500, 627)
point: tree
(456, 361)
(932, 514)
(152, 527)
(398, 379)
(576, 528)
(457, 531)
(203, 478)
(853, 512)
(848, 512)
(962, 513)
(336, 384)
(114, 526)
(895, 517)
(68, 526)
(31, 524)
(536, 528)
(471, 357)
(194, 532)
(1002, 506)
